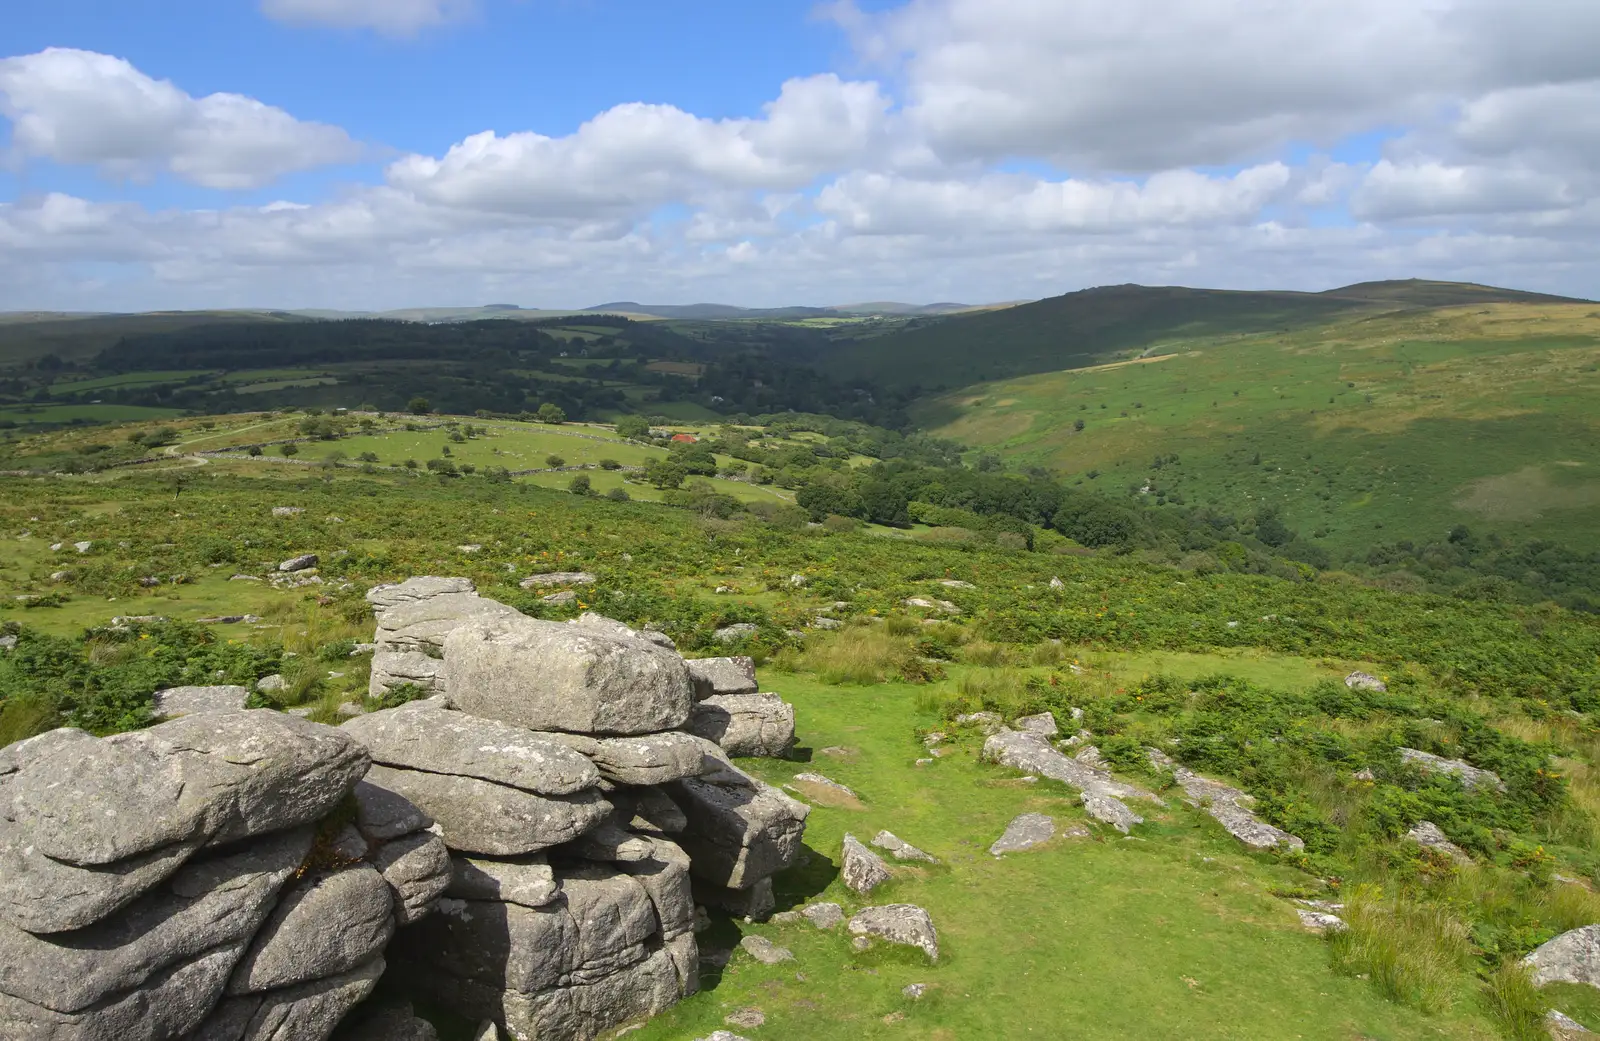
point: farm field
(1375, 429)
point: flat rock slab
(745, 724)
(222, 777)
(551, 579)
(479, 816)
(1108, 809)
(1025, 832)
(528, 881)
(392, 669)
(1231, 808)
(425, 736)
(765, 951)
(899, 848)
(648, 759)
(713, 676)
(905, 924)
(862, 870)
(1032, 753)
(423, 587)
(1471, 776)
(189, 701)
(1572, 957)
(550, 676)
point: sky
(374, 154)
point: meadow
(1369, 430)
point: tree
(419, 406)
(664, 473)
(254, 450)
(610, 464)
(290, 450)
(554, 462)
(552, 414)
(633, 427)
(579, 485)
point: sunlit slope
(1113, 323)
(1369, 428)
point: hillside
(1111, 322)
(1173, 929)
(1362, 428)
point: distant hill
(709, 312)
(1104, 323)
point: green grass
(1371, 430)
(516, 446)
(1083, 938)
(131, 379)
(43, 414)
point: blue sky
(387, 153)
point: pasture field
(1379, 428)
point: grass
(1364, 430)
(52, 414)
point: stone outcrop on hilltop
(533, 860)
(200, 879)
(583, 817)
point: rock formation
(525, 848)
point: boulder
(862, 870)
(305, 1012)
(392, 669)
(648, 759)
(422, 625)
(1471, 777)
(389, 1021)
(558, 578)
(225, 776)
(1109, 810)
(207, 907)
(824, 915)
(325, 925)
(1563, 1027)
(423, 735)
(765, 951)
(740, 830)
(190, 701)
(304, 562)
(382, 815)
(735, 633)
(526, 881)
(899, 848)
(417, 869)
(1430, 836)
(44, 895)
(746, 724)
(1025, 832)
(1365, 681)
(714, 676)
(480, 816)
(1043, 724)
(1572, 957)
(550, 676)
(413, 590)
(904, 924)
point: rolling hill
(1364, 425)
(1116, 322)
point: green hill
(1112, 322)
(1367, 425)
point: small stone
(471, 547)
(823, 916)
(914, 991)
(1056, 583)
(1025, 832)
(566, 596)
(1430, 836)
(905, 924)
(287, 511)
(899, 848)
(824, 782)
(272, 684)
(745, 1017)
(860, 943)
(1110, 810)
(735, 633)
(862, 870)
(722, 1035)
(765, 951)
(1320, 921)
(1365, 681)
(83, 547)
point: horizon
(361, 155)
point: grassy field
(1371, 429)
(1174, 932)
(53, 414)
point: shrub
(552, 414)
(554, 462)
(610, 464)
(579, 485)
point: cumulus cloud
(638, 156)
(390, 17)
(1151, 84)
(79, 107)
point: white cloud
(390, 17)
(1000, 203)
(1152, 84)
(79, 107)
(1396, 191)
(638, 156)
